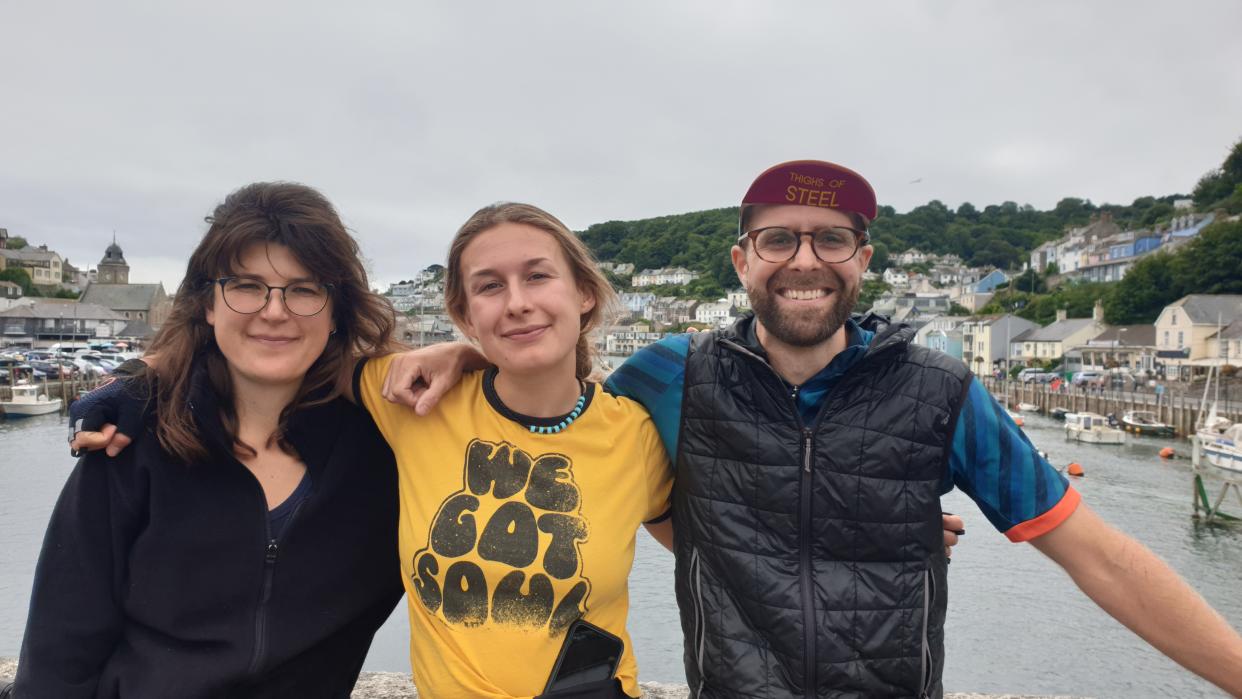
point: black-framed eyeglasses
(831, 245)
(246, 295)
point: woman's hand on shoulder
(419, 378)
(109, 416)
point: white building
(626, 342)
(621, 269)
(911, 257)
(667, 275)
(402, 289)
(896, 277)
(739, 299)
(716, 312)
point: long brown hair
(587, 276)
(301, 219)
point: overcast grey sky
(139, 117)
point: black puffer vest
(810, 558)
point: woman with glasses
(245, 544)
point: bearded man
(811, 449)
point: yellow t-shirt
(507, 536)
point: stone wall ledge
(397, 685)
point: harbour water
(1016, 622)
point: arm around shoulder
(419, 378)
(1141, 591)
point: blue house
(949, 342)
(1146, 244)
(992, 280)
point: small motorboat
(1092, 428)
(27, 401)
(1017, 419)
(1028, 407)
(1058, 413)
(1144, 422)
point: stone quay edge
(397, 685)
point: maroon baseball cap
(813, 183)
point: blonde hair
(587, 275)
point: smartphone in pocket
(589, 654)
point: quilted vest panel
(810, 558)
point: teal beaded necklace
(569, 419)
(545, 425)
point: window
(1165, 343)
(1174, 321)
(1179, 339)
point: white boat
(1222, 448)
(1028, 407)
(27, 400)
(1219, 439)
(1092, 428)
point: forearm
(1142, 592)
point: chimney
(1061, 314)
(1097, 312)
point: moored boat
(1222, 447)
(1028, 407)
(1219, 438)
(1144, 422)
(27, 401)
(1092, 428)
(1058, 413)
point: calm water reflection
(1016, 622)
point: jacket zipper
(696, 591)
(929, 595)
(270, 553)
(804, 547)
(806, 579)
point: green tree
(1220, 183)
(1146, 289)
(1212, 262)
(20, 277)
(872, 289)
(16, 243)
(879, 256)
(705, 288)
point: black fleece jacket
(158, 578)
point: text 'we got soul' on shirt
(507, 536)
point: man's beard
(803, 329)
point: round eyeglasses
(246, 295)
(831, 245)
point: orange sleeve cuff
(1035, 528)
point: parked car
(1085, 378)
(52, 369)
(1025, 375)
